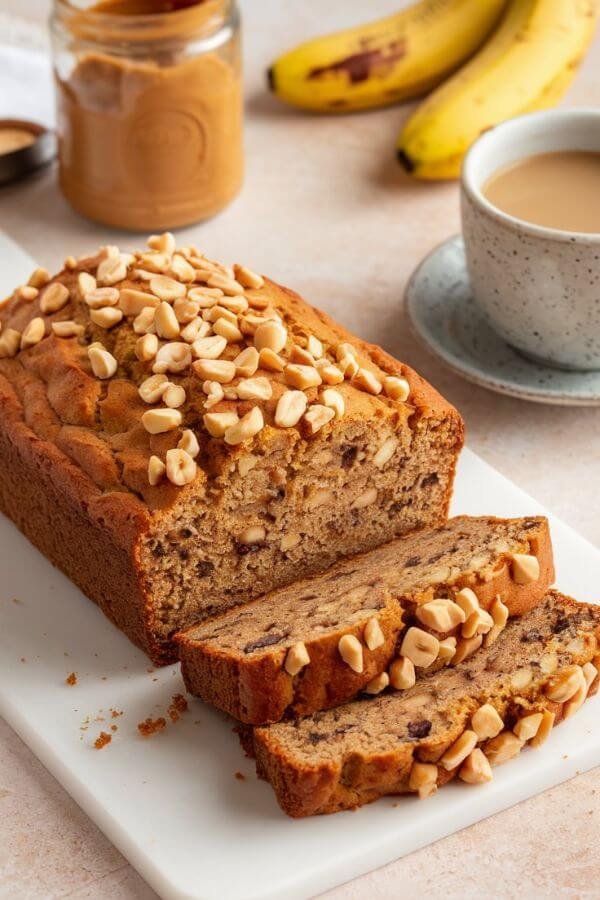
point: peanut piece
(10, 341)
(351, 651)
(377, 684)
(440, 614)
(246, 362)
(317, 417)
(54, 297)
(217, 423)
(527, 727)
(447, 650)
(385, 453)
(479, 622)
(255, 388)
(189, 443)
(228, 330)
(334, 400)
(466, 648)
(166, 288)
(363, 500)
(502, 748)
(270, 335)
(270, 361)
(159, 421)
(460, 749)
(565, 685)
(39, 278)
(521, 678)
(215, 370)
(486, 722)
(476, 768)
(468, 602)
(181, 468)
(247, 278)
(174, 396)
(152, 389)
(103, 363)
(402, 674)
(133, 302)
(296, 658)
(420, 647)
(67, 329)
(302, 377)
(33, 333)
(156, 470)
(373, 634)
(367, 381)
(423, 779)
(396, 388)
(246, 428)
(546, 726)
(209, 347)
(525, 568)
(146, 347)
(165, 322)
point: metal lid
(27, 155)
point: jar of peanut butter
(149, 109)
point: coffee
(556, 190)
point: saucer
(444, 314)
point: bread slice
(317, 643)
(457, 721)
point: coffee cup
(539, 287)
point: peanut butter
(151, 139)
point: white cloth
(26, 89)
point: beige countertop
(326, 209)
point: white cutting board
(171, 803)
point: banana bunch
(522, 55)
(393, 59)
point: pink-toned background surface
(326, 209)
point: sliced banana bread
(181, 436)
(422, 601)
(460, 721)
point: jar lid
(24, 146)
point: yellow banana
(390, 60)
(526, 65)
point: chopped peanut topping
(159, 421)
(33, 333)
(181, 468)
(156, 470)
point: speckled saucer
(444, 315)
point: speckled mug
(539, 287)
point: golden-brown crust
(78, 440)
(335, 781)
(256, 689)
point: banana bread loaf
(179, 436)
(316, 643)
(459, 721)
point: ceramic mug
(539, 287)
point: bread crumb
(114, 727)
(115, 713)
(177, 706)
(71, 679)
(102, 740)
(23, 659)
(151, 726)
(240, 776)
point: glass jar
(149, 101)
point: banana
(526, 65)
(390, 60)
